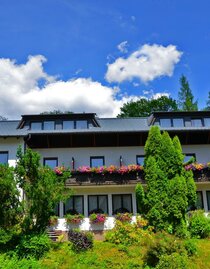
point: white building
(76, 140)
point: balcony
(78, 178)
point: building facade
(83, 140)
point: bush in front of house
(81, 241)
(199, 224)
(33, 246)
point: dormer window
(196, 122)
(165, 122)
(81, 124)
(178, 122)
(48, 125)
(36, 125)
(68, 124)
(207, 122)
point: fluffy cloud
(122, 47)
(26, 88)
(146, 64)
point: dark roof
(10, 128)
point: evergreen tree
(42, 187)
(185, 97)
(170, 188)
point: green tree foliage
(170, 188)
(144, 107)
(10, 205)
(185, 96)
(208, 103)
(42, 187)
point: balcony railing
(78, 178)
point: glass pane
(56, 210)
(81, 124)
(98, 161)
(68, 124)
(140, 160)
(179, 122)
(78, 204)
(208, 199)
(188, 123)
(48, 125)
(3, 157)
(207, 122)
(52, 163)
(127, 202)
(58, 126)
(165, 122)
(199, 201)
(92, 204)
(196, 122)
(68, 208)
(102, 204)
(36, 126)
(188, 157)
(116, 201)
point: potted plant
(97, 218)
(74, 219)
(124, 217)
(53, 221)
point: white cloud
(122, 47)
(21, 92)
(146, 64)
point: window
(81, 124)
(58, 125)
(199, 200)
(207, 122)
(165, 122)
(97, 204)
(121, 203)
(74, 205)
(188, 156)
(178, 122)
(48, 125)
(36, 125)
(140, 159)
(97, 161)
(57, 210)
(68, 124)
(4, 157)
(196, 123)
(208, 199)
(51, 162)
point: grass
(103, 255)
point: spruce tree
(185, 97)
(170, 188)
(208, 103)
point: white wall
(11, 144)
(82, 155)
(112, 154)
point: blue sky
(90, 52)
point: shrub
(191, 247)
(33, 246)
(163, 244)
(7, 262)
(199, 224)
(81, 241)
(76, 219)
(127, 234)
(97, 218)
(173, 261)
(124, 217)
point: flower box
(124, 217)
(74, 219)
(96, 218)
